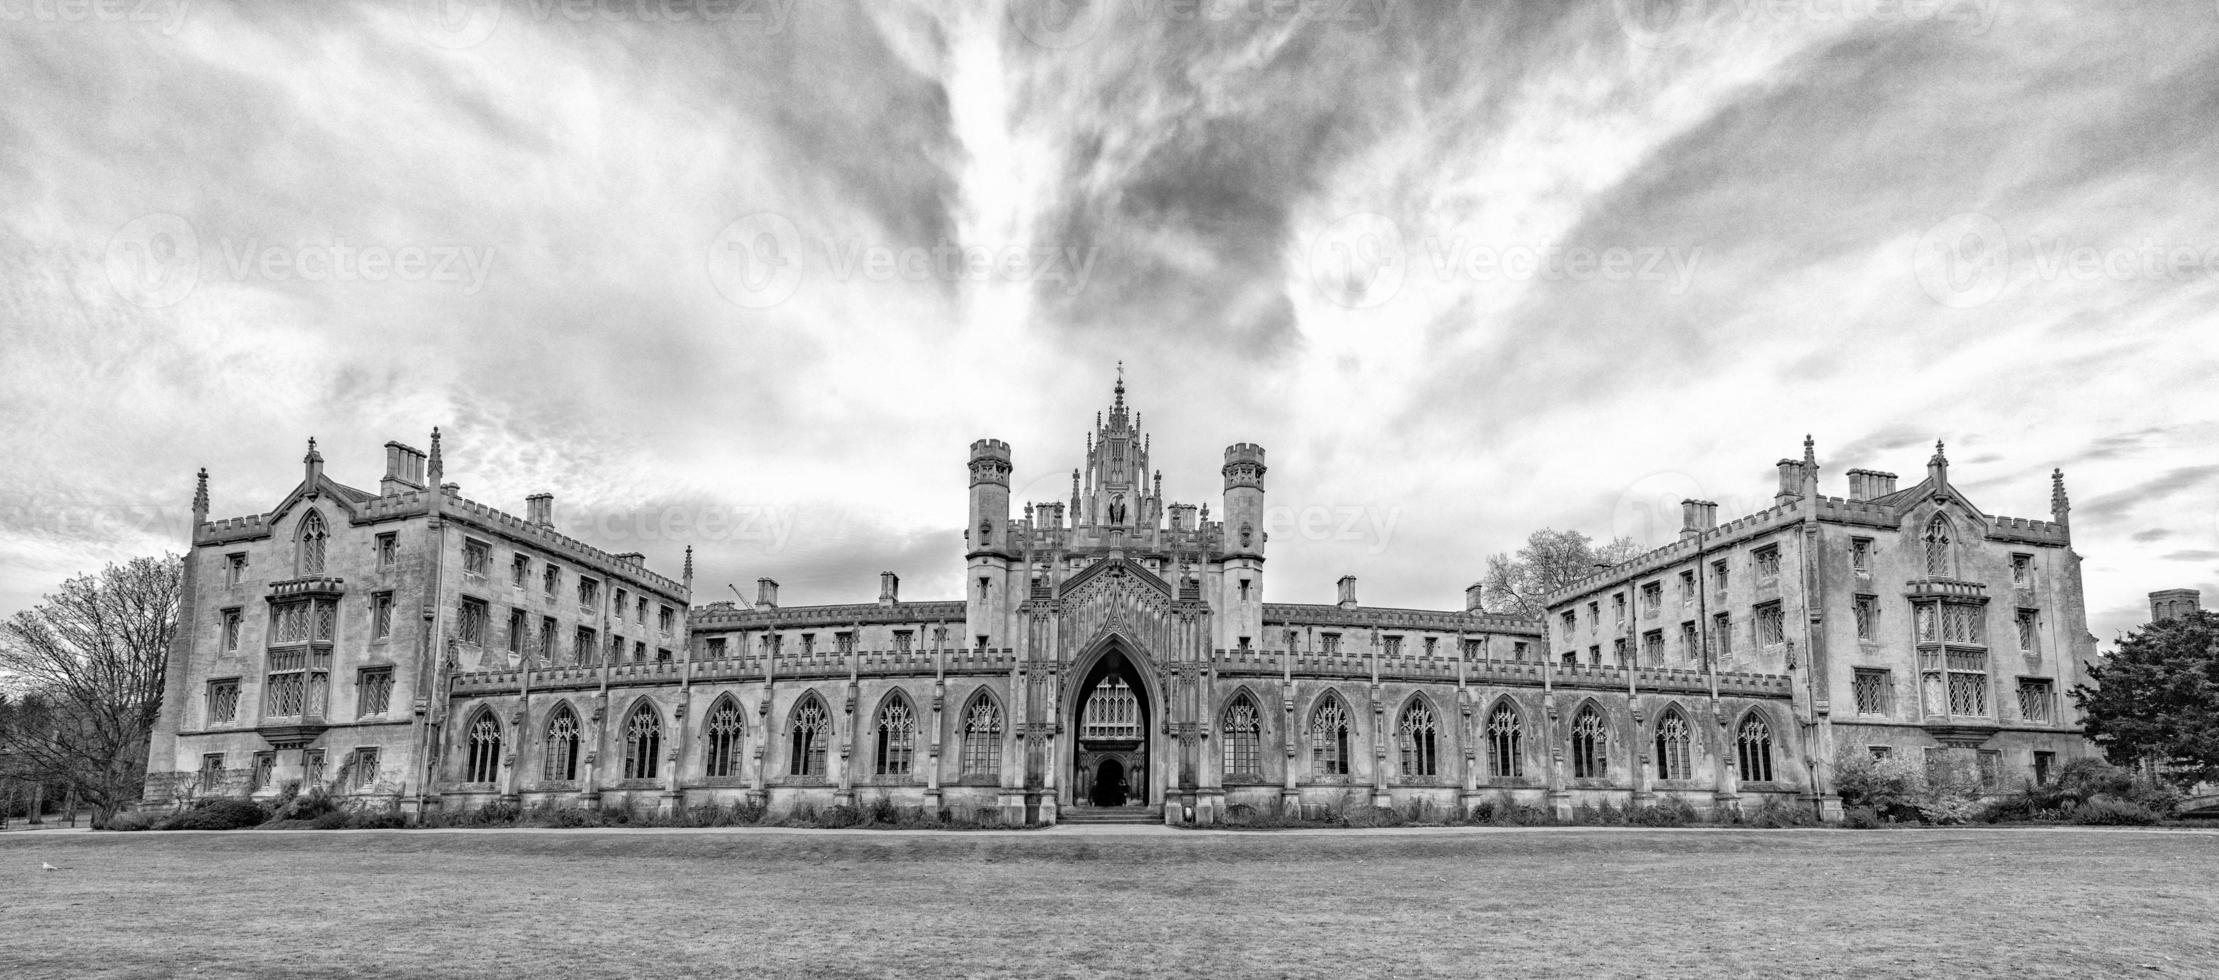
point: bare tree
(1551, 559)
(87, 664)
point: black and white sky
(753, 276)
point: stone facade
(1113, 652)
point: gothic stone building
(1113, 653)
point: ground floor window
(1754, 750)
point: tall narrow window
(561, 764)
(2029, 630)
(381, 616)
(550, 581)
(1590, 741)
(982, 737)
(1860, 555)
(231, 619)
(389, 549)
(1419, 740)
(1753, 742)
(897, 737)
(643, 742)
(1505, 743)
(1329, 737)
(373, 691)
(1242, 731)
(484, 761)
(1771, 623)
(1672, 746)
(470, 621)
(313, 537)
(1937, 546)
(1867, 609)
(520, 571)
(723, 732)
(811, 729)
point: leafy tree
(2155, 699)
(1551, 559)
(87, 665)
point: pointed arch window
(561, 763)
(643, 742)
(1419, 739)
(1673, 739)
(1505, 743)
(313, 537)
(897, 737)
(1590, 741)
(982, 737)
(484, 760)
(806, 737)
(722, 732)
(1242, 728)
(1937, 546)
(1753, 743)
(1329, 737)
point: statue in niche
(1117, 509)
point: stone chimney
(2171, 604)
(539, 509)
(1870, 484)
(1472, 593)
(404, 469)
(889, 588)
(766, 594)
(1791, 481)
(1697, 516)
(1348, 592)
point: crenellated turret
(1244, 499)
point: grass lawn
(1507, 903)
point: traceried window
(1595, 618)
(299, 657)
(2022, 571)
(1688, 642)
(664, 618)
(231, 621)
(1590, 744)
(313, 539)
(519, 630)
(1332, 643)
(1242, 730)
(2029, 629)
(1652, 598)
(381, 616)
(1722, 636)
(1771, 623)
(2038, 700)
(643, 742)
(1618, 651)
(1718, 576)
(1652, 648)
(1111, 711)
(1618, 608)
(1417, 735)
(561, 763)
(211, 772)
(544, 648)
(583, 645)
(589, 592)
(312, 767)
(1687, 588)
(807, 736)
(1393, 646)
(718, 648)
(1571, 622)
(360, 771)
(373, 690)
(470, 618)
(550, 581)
(483, 764)
(724, 731)
(389, 549)
(1753, 749)
(1874, 690)
(520, 571)
(1329, 737)
(477, 559)
(1954, 681)
(1505, 743)
(1936, 540)
(1673, 739)
(1867, 609)
(223, 699)
(265, 766)
(1860, 555)
(904, 641)
(982, 737)
(234, 569)
(897, 737)
(1767, 561)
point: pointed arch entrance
(1112, 713)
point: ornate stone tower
(988, 549)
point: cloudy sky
(753, 277)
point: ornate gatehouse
(1112, 653)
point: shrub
(1670, 811)
(1889, 787)
(334, 819)
(310, 806)
(838, 817)
(216, 813)
(2113, 811)
(1775, 812)
(130, 820)
(1860, 818)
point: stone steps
(1141, 815)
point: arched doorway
(1109, 784)
(1111, 719)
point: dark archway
(1111, 717)
(1109, 784)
